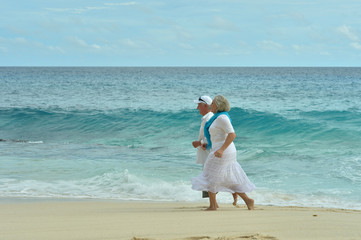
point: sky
(180, 33)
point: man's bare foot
(250, 204)
(210, 209)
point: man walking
(204, 107)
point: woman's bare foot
(249, 201)
(250, 204)
(234, 199)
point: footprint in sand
(246, 237)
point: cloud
(289, 18)
(95, 8)
(120, 4)
(79, 43)
(14, 44)
(348, 32)
(351, 35)
(86, 9)
(325, 53)
(129, 43)
(67, 10)
(270, 45)
(55, 49)
(297, 47)
(186, 46)
(356, 45)
(313, 49)
(20, 40)
(3, 49)
(134, 44)
(220, 23)
(172, 31)
(221, 49)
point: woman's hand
(218, 153)
(227, 142)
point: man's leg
(212, 201)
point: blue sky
(180, 33)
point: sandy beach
(188, 221)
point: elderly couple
(216, 151)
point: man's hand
(204, 146)
(196, 144)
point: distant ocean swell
(127, 124)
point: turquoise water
(126, 133)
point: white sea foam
(124, 186)
(36, 142)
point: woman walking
(222, 172)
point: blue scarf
(209, 123)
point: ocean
(125, 133)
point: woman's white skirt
(223, 174)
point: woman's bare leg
(249, 201)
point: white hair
(222, 104)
